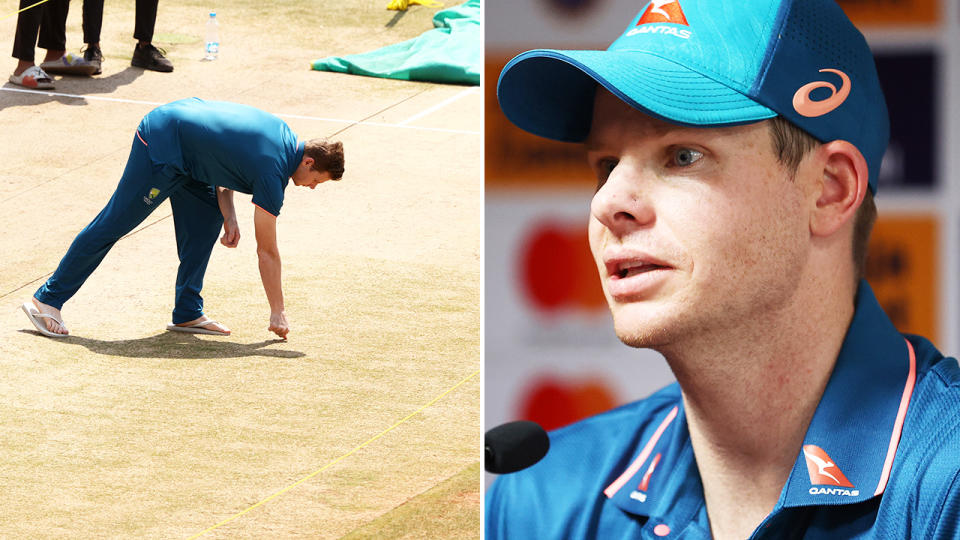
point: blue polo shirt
(223, 144)
(880, 459)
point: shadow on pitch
(178, 345)
(396, 18)
(70, 85)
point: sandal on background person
(70, 64)
(33, 77)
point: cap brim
(550, 93)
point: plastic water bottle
(213, 42)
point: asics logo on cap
(822, 469)
(803, 104)
(663, 11)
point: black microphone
(514, 446)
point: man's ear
(842, 185)
(307, 161)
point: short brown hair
(327, 156)
(791, 144)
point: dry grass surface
(124, 430)
(453, 505)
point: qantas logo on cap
(659, 12)
(824, 472)
(663, 11)
(812, 109)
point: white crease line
(443, 103)
(98, 98)
(300, 116)
(401, 126)
(377, 124)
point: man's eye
(684, 157)
(604, 168)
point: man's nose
(621, 204)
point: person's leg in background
(92, 25)
(27, 73)
(53, 38)
(53, 29)
(145, 55)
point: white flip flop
(35, 317)
(33, 77)
(198, 328)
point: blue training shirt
(224, 144)
(880, 459)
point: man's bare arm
(231, 231)
(265, 225)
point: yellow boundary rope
(401, 5)
(334, 462)
(22, 10)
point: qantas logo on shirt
(659, 12)
(639, 493)
(824, 472)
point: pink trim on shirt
(898, 424)
(613, 488)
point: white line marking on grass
(378, 124)
(75, 96)
(440, 105)
(401, 125)
(421, 128)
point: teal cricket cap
(710, 63)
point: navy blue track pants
(196, 218)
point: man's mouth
(629, 269)
(634, 274)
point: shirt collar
(856, 425)
(849, 447)
(297, 158)
(662, 482)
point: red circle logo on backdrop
(557, 270)
(554, 403)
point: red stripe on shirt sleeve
(264, 209)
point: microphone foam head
(515, 446)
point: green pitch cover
(450, 53)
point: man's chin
(646, 338)
(643, 330)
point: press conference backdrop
(550, 352)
